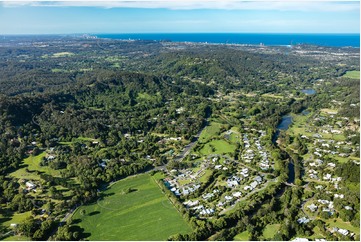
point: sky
(174, 16)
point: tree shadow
(76, 221)
(93, 213)
(2, 220)
(106, 195)
(80, 230)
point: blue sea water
(334, 40)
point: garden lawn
(270, 231)
(142, 214)
(15, 218)
(205, 177)
(342, 225)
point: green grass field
(17, 218)
(244, 236)
(342, 225)
(210, 131)
(206, 176)
(270, 95)
(217, 147)
(144, 214)
(17, 238)
(270, 231)
(63, 54)
(352, 74)
(33, 164)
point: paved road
(67, 215)
(188, 147)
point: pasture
(210, 131)
(131, 209)
(352, 74)
(217, 147)
(32, 163)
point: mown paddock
(132, 209)
(352, 74)
(217, 147)
(244, 236)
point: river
(284, 125)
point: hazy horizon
(153, 16)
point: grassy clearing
(210, 131)
(63, 54)
(206, 176)
(341, 159)
(33, 164)
(184, 182)
(342, 225)
(234, 138)
(17, 238)
(56, 70)
(272, 96)
(250, 94)
(352, 74)
(217, 147)
(336, 137)
(143, 214)
(316, 234)
(17, 218)
(244, 236)
(79, 139)
(329, 111)
(270, 231)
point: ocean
(333, 40)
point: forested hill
(78, 114)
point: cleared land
(217, 147)
(132, 209)
(210, 132)
(244, 236)
(270, 231)
(352, 74)
(32, 163)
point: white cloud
(290, 5)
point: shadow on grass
(106, 195)
(93, 213)
(76, 221)
(10, 170)
(80, 230)
(3, 220)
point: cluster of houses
(249, 154)
(239, 184)
(319, 169)
(344, 232)
(256, 181)
(178, 190)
